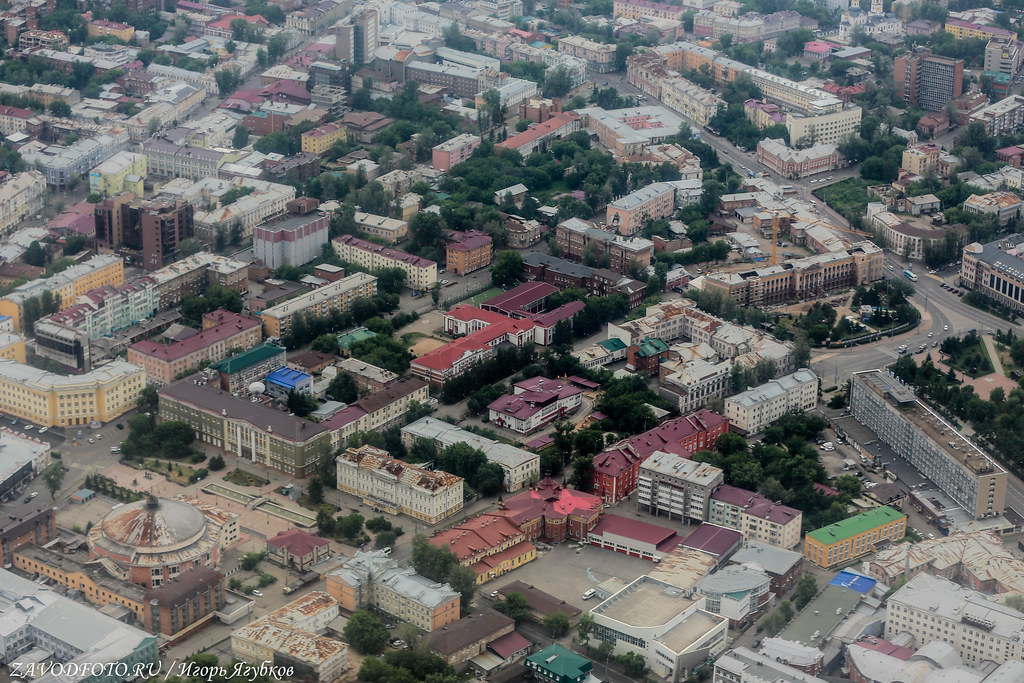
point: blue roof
(857, 582)
(289, 378)
(84, 493)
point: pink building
(454, 151)
(797, 163)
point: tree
(315, 490)
(557, 624)
(463, 580)
(301, 404)
(60, 109)
(241, 137)
(515, 607)
(584, 627)
(250, 561)
(507, 269)
(557, 82)
(227, 79)
(53, 477)
(35, 255)
(174, 438)
(325, 522)
(216, 463)
(806, 589)
(343, 388)
(429, 560)
(366, 633)
(148, 399)
(326, 343)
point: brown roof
(451, 638)
(400, 388)
(312, 359)
(540, 602)
(187, 585)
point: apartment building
(466, 252)
(291, 241)
(745, 28)
(927, 80)
(50, 400)
(60, 164)
(335, 296)
(51, 40)
(460, 80)
(533, 404)
(600, 57)
(628, 215)
(537, 137)
(489, 543)
(799, 279)
(934, 447)
(125, 171)
(829, 129)
(754, 409)
(675, 487)
(797, 163)
(357, 37)
(66, 286)
(758, 518)
(696, 383)
(921, 159)
(99, 28)
(195, 274)
(454, 151)
(993, 269)
(521, 467)
(854, 537)
(967, 29)
(21, 196)
(391, 230)
(166, 159)
(690, 100)
(254, 431)
(222, 332)
(1004, 54)
(1004, 117)
(642, 9)
(420, 273)
(578, 238)
(153, 227)
(17, 120)
(397, 487)
(319, 140)
(370, 579)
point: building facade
(292, 241)
(421, 273)
(754, 409)
(675, 487)
(927, 80)
(336, 296)
(992, 269)
(854, 537)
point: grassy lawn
(245, 479)
(484, 296)
(849, 197)
(972, 360)
(179, 474)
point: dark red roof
(509, 644)
(635, 530)
(298, 542)
(713, 540)
(519, 297)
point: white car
(91, 441)
(931, 334)
(945, 328)
(43, 430)
(258, 594)
(34, 494)
(444, 282)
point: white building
(676, 487)
(690, 100)
(741, 665)
(265, 202)
(754, 409)
(20, 197)
(421, 273)
(533, 405)
(737, 592)
(829, 128)
(291, 241)
(61, 164)
(697, 382)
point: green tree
(557, 624)
(349, 526)
(429, 560)
(366, 633)
(35, 255)
(241, 137)
(515, 607)
(463, 580)
(326, 343)
(60, 109)
(325, 522)
(806, 589)
(250, 561)
(216, 463)
(315, 490)
(343, 388)
(301, 404)
(507, 269)
(53, 477)
(227, 79)
(584, 627)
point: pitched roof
(298, 542)
(466, 631)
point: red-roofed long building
(489, 543)
(456, 357)
(538, 137)
(634, 538)
(534, 403)
(222, 331)
(616, 469)
(553, 512)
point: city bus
(911, 275)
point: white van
(115, 449)
(589, 594)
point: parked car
(258, 594)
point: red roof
(509, 644)
(363, 245)
(552, 500)
(468, 312)
(442, 358)
(827, 490)
(540, 130)
(777, 513)
(636, 530)
(225, 23)
(522, 296)
(563, 312)
(885, 647)
(230, 325)
(468, 241)
(298, 542)
(713, 540)
(733, 495)
(477, 536)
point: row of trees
(471, 464)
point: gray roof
(733, 579)
(774, 388)
(445, 434)
(772, 559)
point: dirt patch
(426, 345)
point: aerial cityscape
(587, 342)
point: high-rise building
(155, 228)
(927, 80)
(357, 37)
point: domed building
(154, 541)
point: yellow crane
(775, 236)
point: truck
(849, 464)
(910, 275)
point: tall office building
(927, 80)
(357, 37)
(154, 228)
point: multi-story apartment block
(99, 28)
(454, 151)
(993, 269)
(758, 518)
(320, 140)
(290, 241)
(398, 487)
(195, 274)
(168, 159)
(466, 252)
(265, 202)
(799, 279)
(313, 19)
(462, 81)
(754, 409)
(357, 37)
(924, 439)
(675, 487)
(573, 67)
(745, 28)
(254, 431)
(600, 57)
(153, 227)
(797, 163)
(391, 230)
(927, 80)
(121, 172)
(921, 159)
(16, 120)
(690, 100)
(50, 400)
(20, 197)
(854, 537)
(967, 29)
(1003, 55)
(1005, 206)
(832, 128)
(421, 273)
(696, 383)
(627, 131)
(66, 286)
(628, 215)
(537, 137)
(642, 9)
(379, 411)
(51, 40)
(336, 296)
(577, 238)
(61, 164)
(222, 331)
(372, 579)
(521, 467)
(978, 629)
(1004, 117)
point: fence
(864, 339)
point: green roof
(256, 354)
(866, 521)
(652, 346)
(560, 663)
(613, 344)
(346, 341)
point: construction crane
(775, 236)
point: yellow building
(851, 538)
(339, 295)
(100, 28)
(66, 286)
(125, 171)
(966, 29)
(12, 347)
(51, 400)
(320, 140)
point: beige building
(398, 488)
(600, 57)
(830, 128)
(390, 229)
(339, 295)
(754, 409)
(20, 197)
(51, 400)
(65, 287)
(690, 100)
(420, 273)
(1005, 206)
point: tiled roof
(232, 324)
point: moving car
(589, 594)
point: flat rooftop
(816, 622)
(683, 635)
(645, 603)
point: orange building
(489, 543)
(468, 251)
